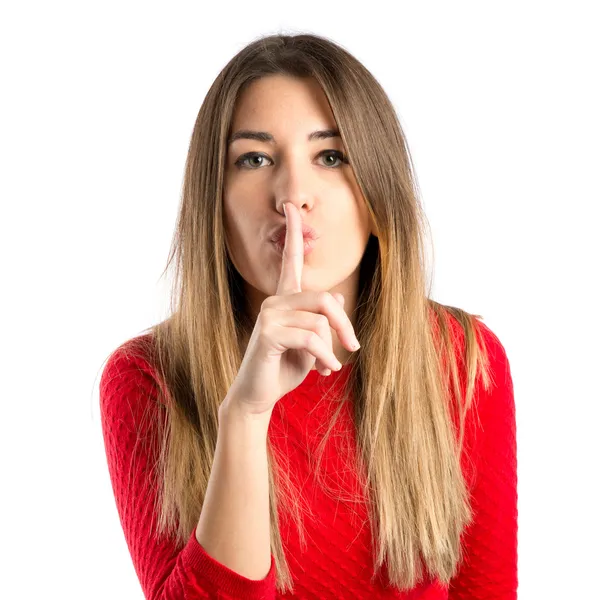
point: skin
(293, 169)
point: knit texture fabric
(337, 561)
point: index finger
(292, 261)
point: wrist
(233, 409)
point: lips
(308, 233)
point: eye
(335, 154)
(242, 164)
(241, 161)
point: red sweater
(337, 562)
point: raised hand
(291, 334)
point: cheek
(240, 232)
(233, 215)
(229, 227)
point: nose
(293, 183)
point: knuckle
(265, 316)
(322, 322)
(267, 302)
(265, 335)
(324, 299)
(311, 338)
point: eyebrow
(265, 136)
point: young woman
(255, 450)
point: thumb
(340, 298)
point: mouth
(308, 234)
(279, 245)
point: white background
(499, 102)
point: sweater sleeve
(129, 414)
(489, 567)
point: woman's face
(291, 168)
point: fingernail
(355, 344)
(284, 210)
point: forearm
(234, 525)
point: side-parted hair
(413, 380)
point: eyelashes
(241, 161)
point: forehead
(282, 104)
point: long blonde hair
(413, 378)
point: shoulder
(129, 387)
(497, 359)
(466, 330)
(488, 340)
(129, 360)
(494, 393)
(471, 339)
